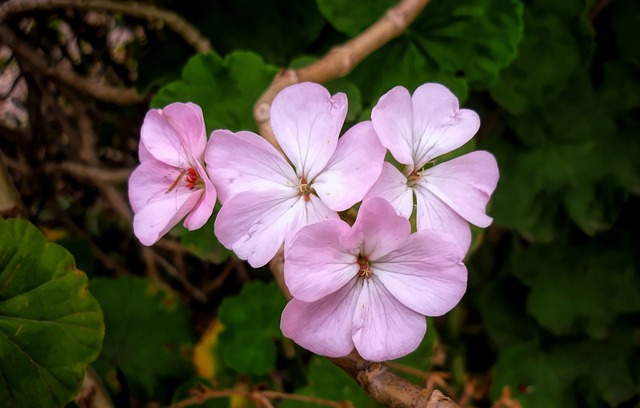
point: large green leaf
(226, 89)
(454, 43)
(580, 288)
(351, 17)
(550, 53)
(51, 327)
(251, 322)
(149, 336)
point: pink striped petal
(255, 224)
(383, 328)
(378, 229)
(244, 161)
(316, 265)
(352, 170)
(392, 119)
(323, 326)
(465, 184)
(439, 125)
(433, 213)
(204, 207)
(306, 122)
(392, 186)
(426, 274)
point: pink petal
(188, 121)
(433, 213)
(306, 121)
(426, 274)
(323, 326)
(162, 135)
(465, 184)
(378, 229)
(244, 161)
(156, 209)
(143, 153)
(392, 186)
(254, 224)
(392, 119)
(204, 208)
(315, 264)
(352, 170)
(439, 125)
(383, 328)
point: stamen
(365, 268)
(191, 179)
(304, 189)
(413, 178)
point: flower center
(413, 178)
(365, 268)
(191, 178)
(304, 189)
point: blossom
(417, 129)
(268, 197)
(171, 182)
(369, 286)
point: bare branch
(121, 96)
(340, 61)
(188, 32)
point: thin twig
(188, 32)
(34, 60)
(204, 393)
(83, 171)
(340, 61)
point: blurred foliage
(552, 309)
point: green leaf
(626, 14)
(276, 29)
(351, 17)
(51, 327)
(251, 322)
(327, 381)
(532, 80)
(226, 89)
(578, 288)
(149, 336)
(454, 43)
(528, 373)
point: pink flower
(369, 286)
(417, 130)
(170, 182)
(266, 197)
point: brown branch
(188, 32)
(82, 171)
(25, 53)
(340, 61)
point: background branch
(340, 61)
(188, 32)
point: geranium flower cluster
(367, 286)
